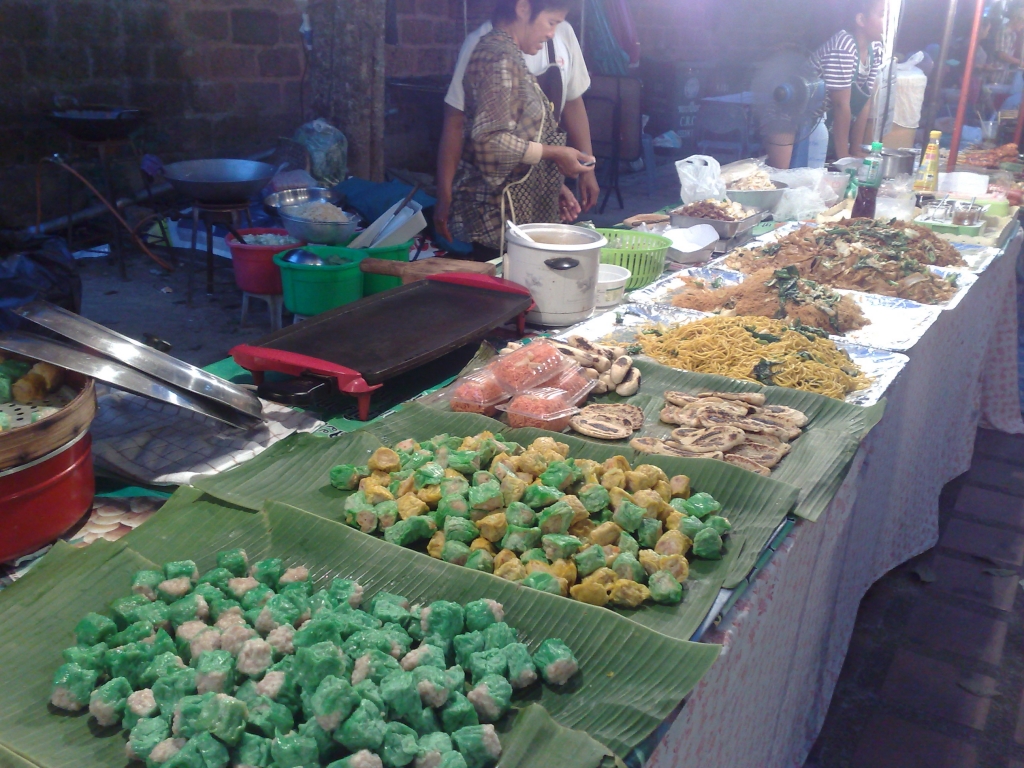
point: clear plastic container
(574, 383)
(478, 392)
(531, 366)
(545, 408)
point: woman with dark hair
(514, 158)
(848, 63)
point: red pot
(255, 271)
(44, 498)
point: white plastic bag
(700, 178)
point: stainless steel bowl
(302, 256)
(758, 199)
(321, 232)
(288, 197)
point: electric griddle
(359, 346)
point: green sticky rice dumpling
(480, 560)
(628, 516)
(533, 554)
(466, 462)
(489, 662)
(169, 690)
(181, 568)
(400, 746)
(94, 628)
(478, 744)
(430, 473)
(520, 539)
(542, 582)
(555, 661)
(186, 715)
(346, 591)
(589, 560)
(648, 533)
(107, 702)
(720, 524)
(521, 670)
(700, 505)
(458, 713)
(594, 497)
(664, 588)
(707, 544)
(555, 518)
(364, 729)
(443, 617)
(628, 567)
(520, 515)
(252, 751)
(486, 497)
(333, 702)
(233, 560)
(480, 614)
(87, 657)
(561, 474)
(346, 477)
(455, 552)
(145, 582)
(628, 544)
(146, 734)
(690, 526)
(294, 751)
(460, 529)
(373, 665)
(225, 717)
(539, 496)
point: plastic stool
(275, 305)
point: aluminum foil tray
(964, 279)
(978, 257)
(896, 324)
(621, 326)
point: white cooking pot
(559, 269)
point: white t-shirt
(568, 58)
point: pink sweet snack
(529, 367)
(574, 383)
(542, 408)
(478, 392)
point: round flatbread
(720, 438)
(745, 463)
(679, 398)
(668, 448)
(631, 414)
(601, 426)
(751, 398)
(764, 455)
(792, 415)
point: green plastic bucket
(376, 283)
(310, 290)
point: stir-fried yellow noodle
(770, 352)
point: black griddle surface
(387, 334)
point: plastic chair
(275, 306)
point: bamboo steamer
(27, 443)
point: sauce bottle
(869, 179)
(927, 179)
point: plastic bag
(43, 268)
(328, 150)
(700, 178)
(799, 204)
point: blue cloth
(371, 199)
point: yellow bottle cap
(936, 134)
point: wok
(218, 180)
(97, 122)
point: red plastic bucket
(255, 271)
(44, 498)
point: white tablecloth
(765, 699)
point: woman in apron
(848, 63)
(514, 158)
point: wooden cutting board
(411, 271)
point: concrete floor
(153, 301)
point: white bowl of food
(611, 284)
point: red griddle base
(360, 345)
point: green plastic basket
(378, 283)
(310, 290)
(642, 253)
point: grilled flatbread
(769, 441)
(775, 424)
(720, 438)
(717, 415)
(629, 413)
(798, 418)
(764, 455)
(679, 398)
(601, 426)
(751, 398)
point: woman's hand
(570, 161)
(568, 206)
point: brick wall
(220, 78)
(428, 35)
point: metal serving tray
(128, 352)
(117, 375)
(726, 229)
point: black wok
(218, 181)
(98, 122)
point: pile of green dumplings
(249, 666)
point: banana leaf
(820, 458)
(617, 698)
(755, 505)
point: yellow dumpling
(628, 594)
(385, 460)
(493, 526)
(435, 545)
(591, 592)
